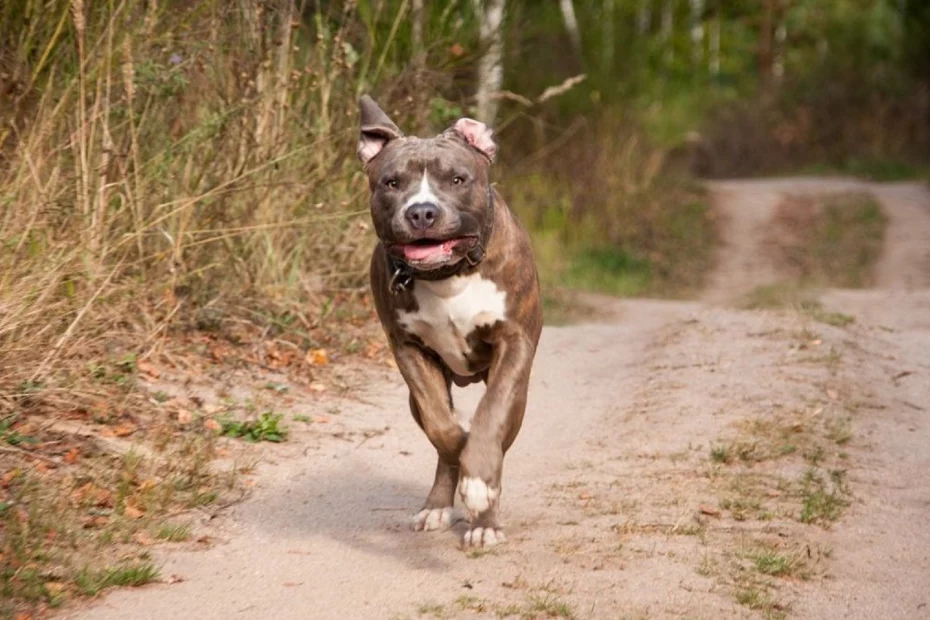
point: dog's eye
(392, 183)
(458, 180)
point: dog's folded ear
(476, 134)
(376, 129)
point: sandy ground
(612, 504)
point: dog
(456, 289)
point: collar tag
(400, 281)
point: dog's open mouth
(432, 250)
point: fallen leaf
(22, 616)
(125, 429)
(143, 538)
(55, 588)
(317, 387)
(709, 510)
(103, 498)
(317, 357)
(584, 496)
(132, 512)
(832, 394)
(185, 416)
(321, 419)
(71, 456)
(97, 521)
(212, 425)
(8, 476)
(148, 369)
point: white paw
(476, 495)
(430, 519)
(483, 537)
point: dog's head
(429, 196)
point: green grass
(608, 270)
(758, 599)
(847, 239)
(92, 582)
(432, 609)
(547, 606)
(770, 562)
(791, 295)
(171, 532)
(267, 427)
(874, 169)
(824, 497)
(834, 240)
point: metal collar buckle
(400, 281)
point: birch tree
(571, 24)
(491, 66)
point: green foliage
(267, 427)
(91, 582)
(825, 496)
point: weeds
(173, 533)
(266, 428)
(92, 582)
(824, 497)
(832, 241)
(548, 606)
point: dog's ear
(478, 135)
(375, 130)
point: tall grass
(157, 155)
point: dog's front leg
(494, 428)
(431, 406)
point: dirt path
(613, 504)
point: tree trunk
(714, 63)
(416, 34)
(697, 33)
(765, 43)
(491, 67)
(571, 25)
(644, 16)
(665, 31)
(608, 44)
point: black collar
(403, 275)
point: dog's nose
(423, 215)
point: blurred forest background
(166, 162)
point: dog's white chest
(449, 311)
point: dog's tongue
(427, 251)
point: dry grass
(830, 241)
(144, 174)
(162, 165)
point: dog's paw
(476, 495)
(483, 537)
(430, 519)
